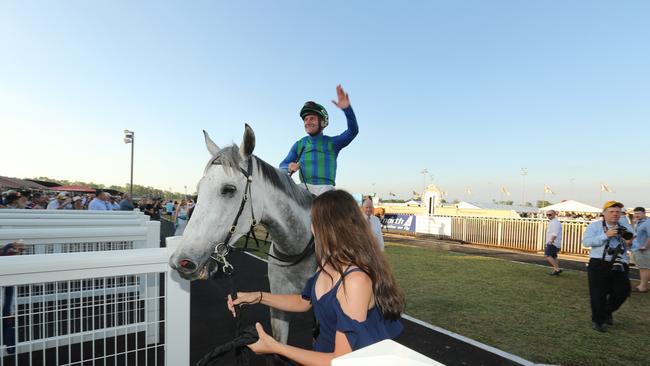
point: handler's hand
(611, 232)
(243, 298)
(266, 343)
(17, 248)
(344, 99)
(293, 167)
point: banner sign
(398, 222)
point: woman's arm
(356, 296)
(267, 344)
(291, 303)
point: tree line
(138, 190)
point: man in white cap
(62, 202)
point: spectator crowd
(100, 201)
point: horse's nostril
(187, 265)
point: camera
(625, 233)
(617, 264)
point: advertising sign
(399, 222)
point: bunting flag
(468, 191)
(605, 188)
(416, 194)
(391, 194)
(548, 189)
(505, 191)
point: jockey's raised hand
(344, 99)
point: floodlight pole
(132, 151)
(129, 138)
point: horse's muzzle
(189, 270)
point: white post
(177, 314)
(153, 234)
(499, 231)
(540, 235)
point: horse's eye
(228, 189)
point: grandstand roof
(15, 183)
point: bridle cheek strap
(245, 198)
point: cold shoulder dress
(331, 319)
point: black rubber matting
(212, 324)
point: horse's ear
(248, 143)
(212, 147)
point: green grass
(519, 308)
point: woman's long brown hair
(343, 238)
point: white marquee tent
(571, 206)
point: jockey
(315, 155)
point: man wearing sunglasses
(553, 242)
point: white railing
(520, 234)
(68, 212)
(83, 239)
(33, 222)
(115, 307)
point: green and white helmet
(317, 109)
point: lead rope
(243, 336)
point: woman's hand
(266, 343)
(243, 298)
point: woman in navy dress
(354, 294)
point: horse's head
(220, 195)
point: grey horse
(274, 200)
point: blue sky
(472, 91)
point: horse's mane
(230, 157)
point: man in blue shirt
(608, 270)
(640, 247)
(99, 203)
(169, 207)
(315, 155)
(126, 204)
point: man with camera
(608, 270)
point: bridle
(222, 249)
